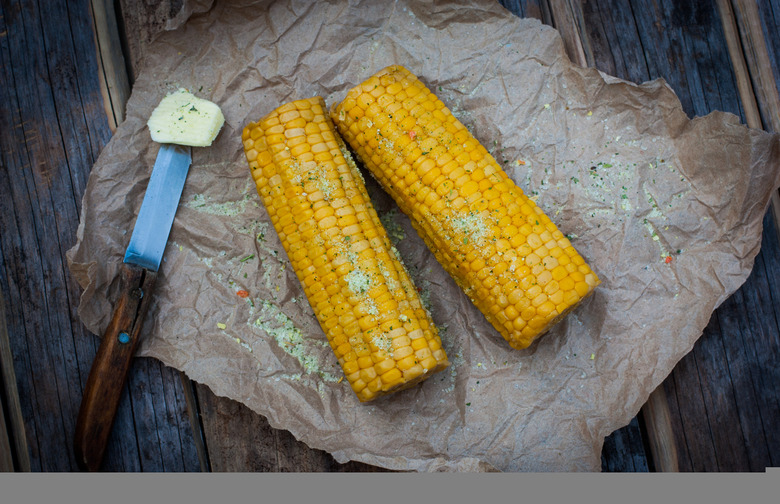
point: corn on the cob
(498, 245)
(352, 276)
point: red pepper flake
(412, 134)
(242, 293)
(668, 259)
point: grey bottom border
(345, 488)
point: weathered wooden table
(66, 69)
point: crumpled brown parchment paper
(619, 167)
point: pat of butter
(182, 118)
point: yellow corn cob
(353, 278)
(501, 249)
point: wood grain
(769, 16)
(567, 18)
(6, 449)
(54, 128)
(140, 23)
(13, 446)
(624, 450)
(537, 9)
(241, 440)
(112, 70)
(39, 209)
(660, 436)
(756, 53)
(195, 423)
(744, 85)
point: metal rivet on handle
(124, 338)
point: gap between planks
(114, 82)
(193, 410)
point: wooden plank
(14, 319)
(241, 440)
(140, 23)
(13, 448)
(732, 317)
(143, 392)
(165, 439)
(123, 451)
(744, 85)
(193, 411)
(73, 142)
(598, 35)
(721, 416)
(9, 247)
(677, 437)
(55, 130)
(657, 418)
(537, 9)
(684, 43)
(115, 84)
(615, 41)
(624, 450)
(756, 53)
(698, 452)
(35, 153)
(6, 449)
(237, 438)
(176, 420)
(769, 15)
(567, 18)
(762, 347)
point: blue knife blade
(154, 221)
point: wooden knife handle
(109, 370)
